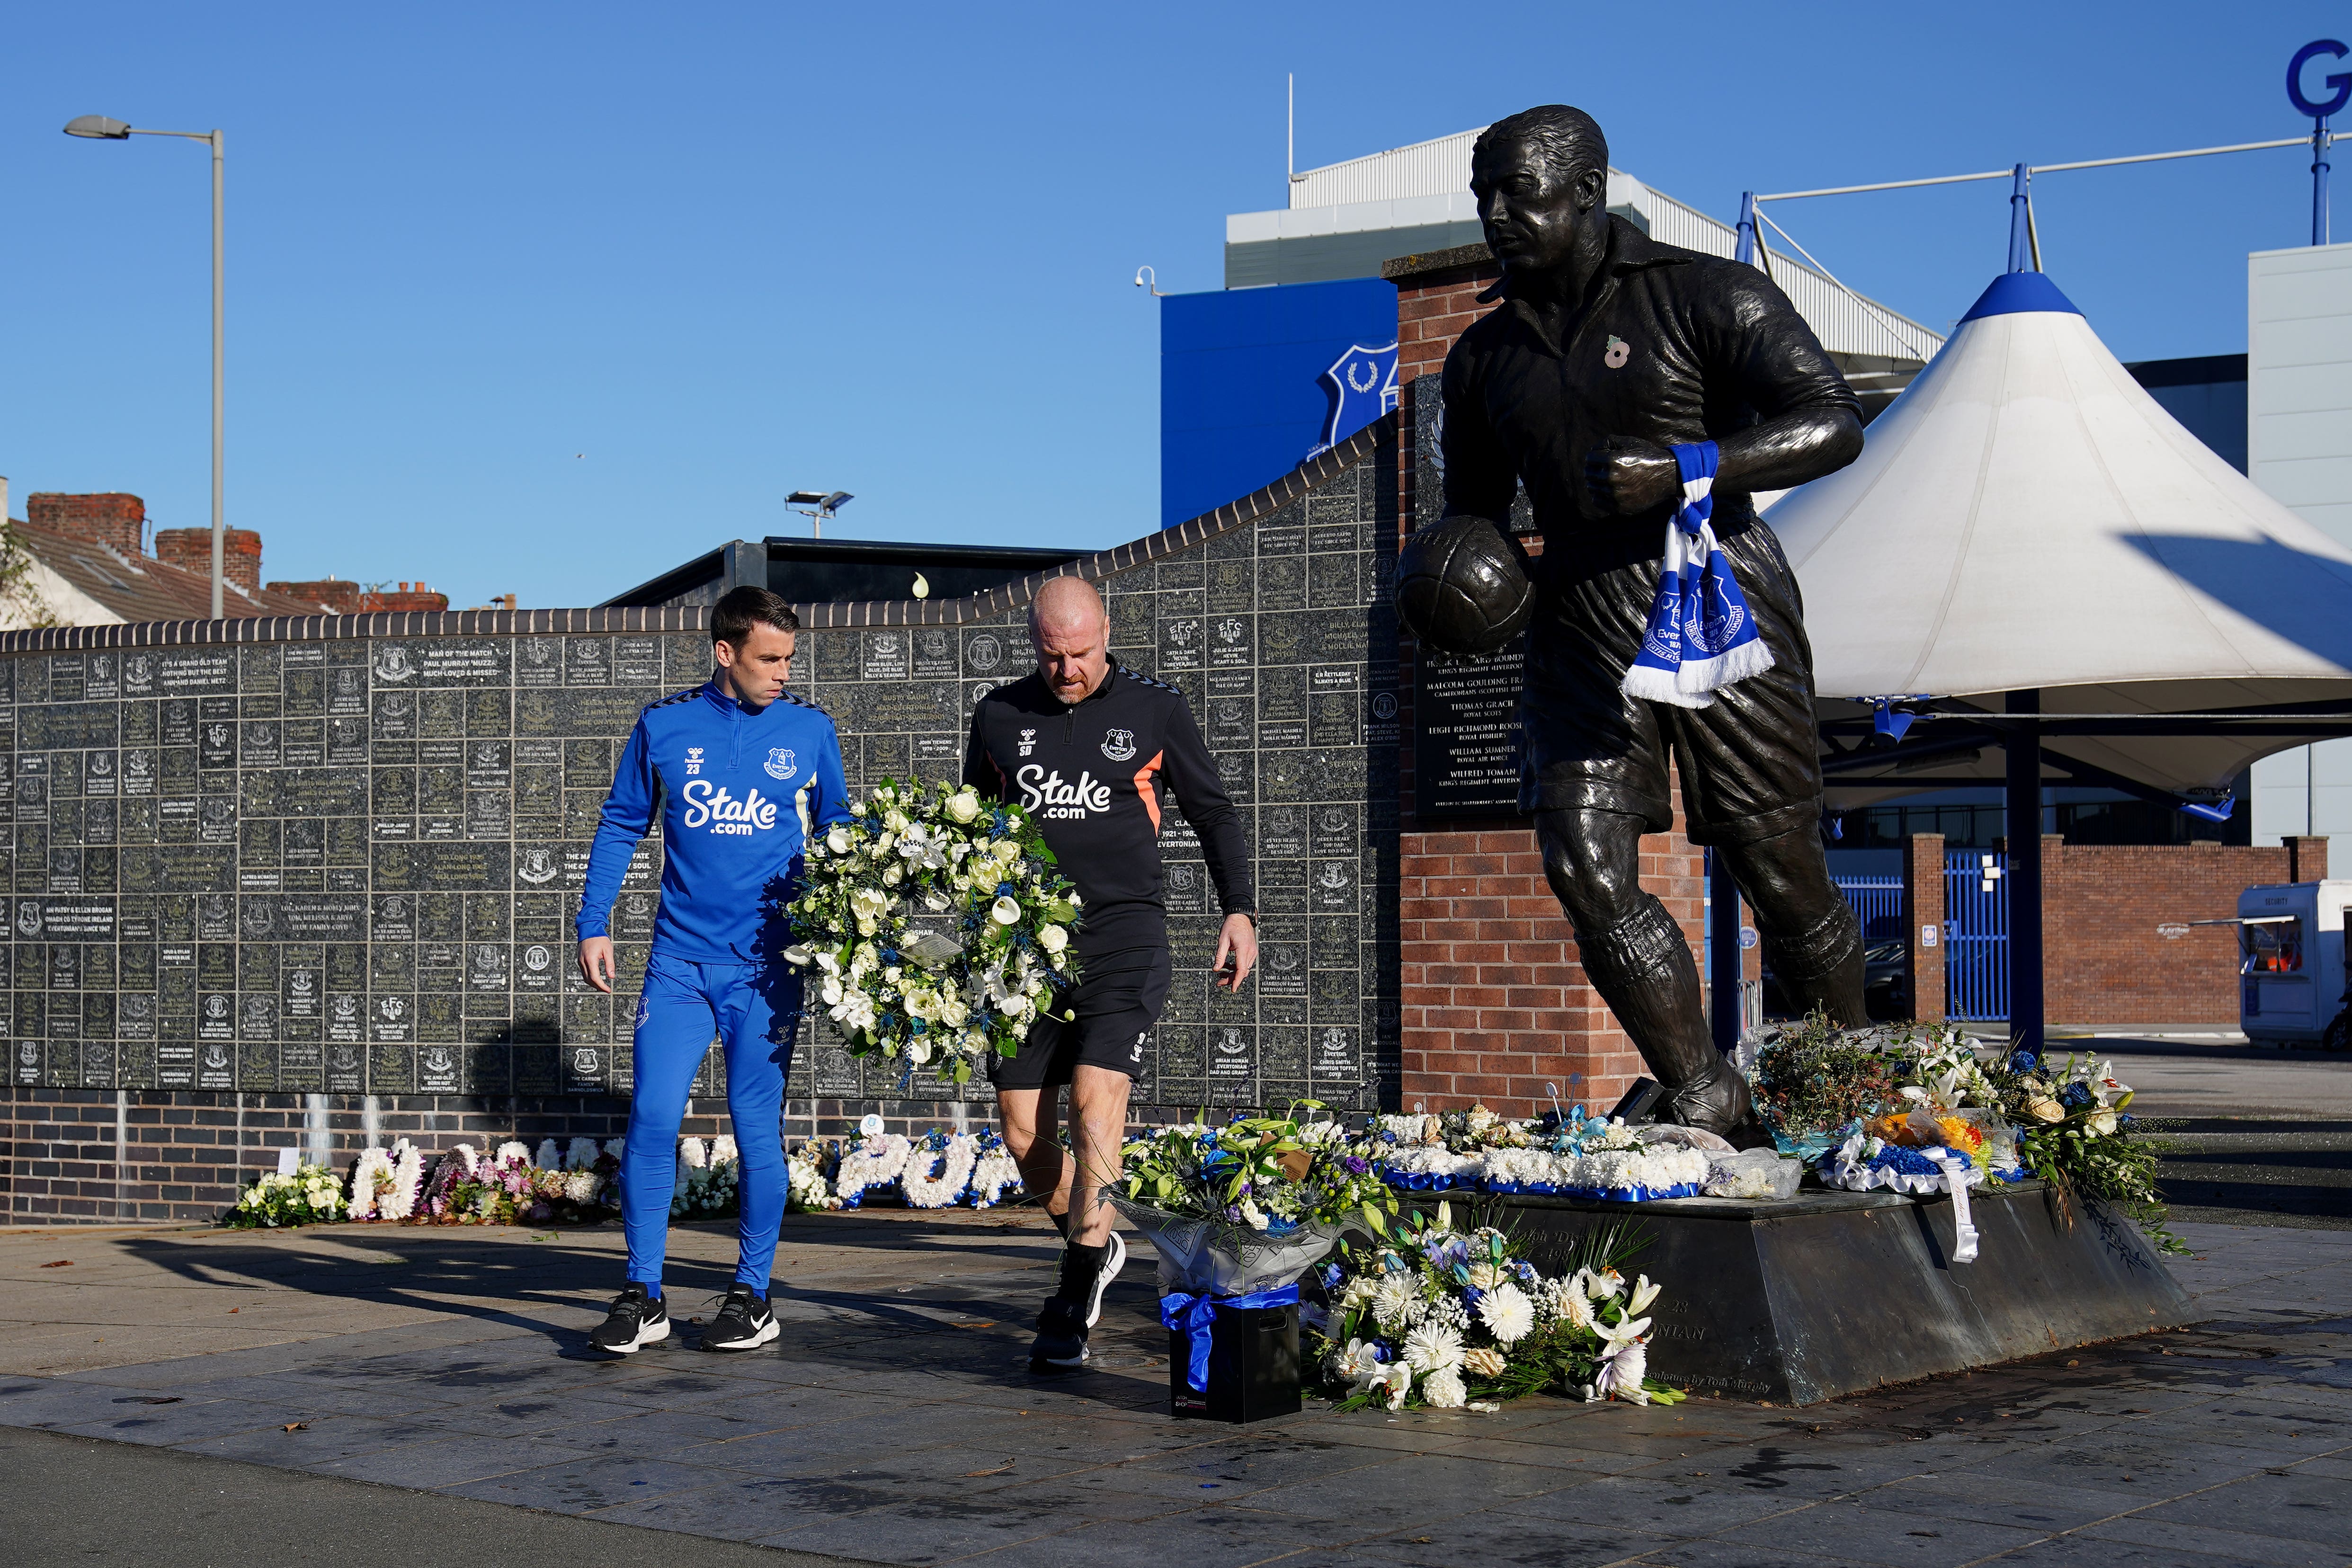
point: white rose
(963, 805)
(2102, 1122)
(837, 839)
(953, 1013)
(1004, 911)
(1006, 850)
(1052, 939)
(797, 955)
(893, 874)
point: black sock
(1061, 1223)
(1081, 1265)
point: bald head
(1071, 632)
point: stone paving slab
(896, 1422)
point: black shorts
(1118, 1001)
(1749, 764)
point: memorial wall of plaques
(351, 864)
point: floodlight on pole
(99, 128)
(817, 506)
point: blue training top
(738, 792)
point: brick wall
(191, 550)
(1922, 912)
(82, 1156)
(1495, 1004)
(2107, 959)
(412, 598)
(115, 520)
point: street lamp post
(99, 128)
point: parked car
(1885, 990)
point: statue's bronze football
(1461, 589)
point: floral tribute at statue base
(1921, 1110)
(1459, 1318)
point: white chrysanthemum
(1432, 1346)
(1508, 1313)
(545, 1156)
(580, 1186)
(580, 1153)
(399, 1200)
(1395, 1294)
(691, 1155)
(722, 1150)
(616, 1147)
(1568, 1303)
(510, 1150)
(1443, 1390)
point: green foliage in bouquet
(313, 1193)
(1272, 1175)
(1812, 1081)
(2072, 1133)
(936, 925)
(1450, 1317)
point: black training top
(1093, 775)
(1668, 345)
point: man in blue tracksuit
(739, 771)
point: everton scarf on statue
(1701, 635)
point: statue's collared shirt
(1669, 345)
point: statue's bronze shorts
(1749, 764)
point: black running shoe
(1114, 1259)
(638, 1319)
(745, 1322)
(1061, 1342)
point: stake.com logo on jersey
(713, 806)
(1047, 796)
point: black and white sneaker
(638, 1320)
(1114, 1259)
(1061, 1342)
(745, 1322)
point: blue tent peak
(2016, 293)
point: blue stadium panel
(1241, 398)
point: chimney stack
(191, 550)
(113, 520)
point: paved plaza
(896, 1422)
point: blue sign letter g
(2340, 84)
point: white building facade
(2299, 448)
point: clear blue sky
(544, 298)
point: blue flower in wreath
(2023, 1061)
(2075, 1096)
(1331, 1275)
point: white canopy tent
(2026, 517)
(2037, 560)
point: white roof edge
(1387, 152)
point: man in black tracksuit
(1085, 746)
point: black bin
(1252, 1367)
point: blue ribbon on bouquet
(1701, 635)
(1194, 1314)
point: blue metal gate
(1975, 936)
(1877, 903)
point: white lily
(1643, 1294)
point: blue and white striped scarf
(1702, 635)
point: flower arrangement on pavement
(313, 1193)
(1452, 1319)
(930, 1171)
(935, 926)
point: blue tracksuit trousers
(684, 1004)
